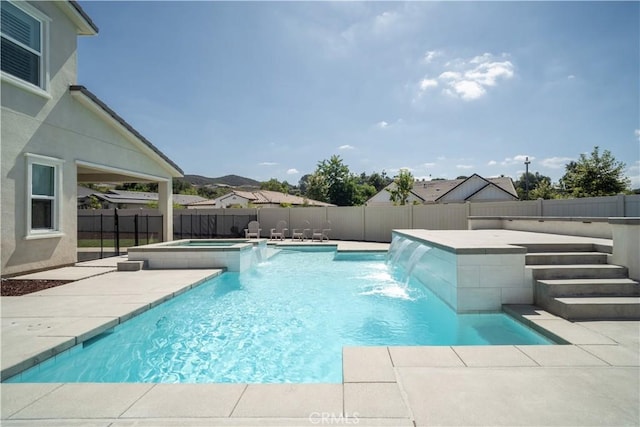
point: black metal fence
(103, 233)
(209, 226)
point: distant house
(472, 189)
(261, 199)
(56, 134)
(122, 199)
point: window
(23, 38)
(44, 178)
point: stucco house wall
(58, 124)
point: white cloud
(395, 171)
(468, 79)
(488, 72)
(423, 86)
(267, 164)
(555, 162)
(464, 166)
(427, 83)
(384, 21)
(466, 89)
(571, 77)
(492, 163)
(382, 124)
(520, 158)
(637, 133)
(430, 55)
(292, 171)
(346, 147)
(429, 165)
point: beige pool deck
(595, 380)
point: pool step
(577, 283)
(596, 308)
(130, 265)
(546, 248)
(560, 295)
(577, 271)
(586, 287)
(566, 258)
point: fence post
(101, 238)
(135, 230)
(540, 207)
(116, 229)
(147, 229)
(620, 208)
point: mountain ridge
(230, 180)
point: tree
(317, 188)
(596, 175)
(534, 181)
(544, 190)
(274, 185)
(337, 180)
(181, 186)
(150, 187)
(378, 180)
(94, 202)
(303, 183)
(399, 193)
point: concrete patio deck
(593, 381)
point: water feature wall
(469, 280)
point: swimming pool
(285, 320)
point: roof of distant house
(265, 197)
(142, 197)
(432, 191)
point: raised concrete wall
(626, 244)
(472, 279)
(569, 226)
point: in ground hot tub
(231, 254)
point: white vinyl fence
(374, 223)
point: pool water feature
(286, 320)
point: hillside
(230, 180)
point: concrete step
(559, 258)
(587, 287)
(559, 247)
(588, 308)
(578, 271)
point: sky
(270, 89)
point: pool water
(285, 320)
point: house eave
(94, 104)
(79, 17)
